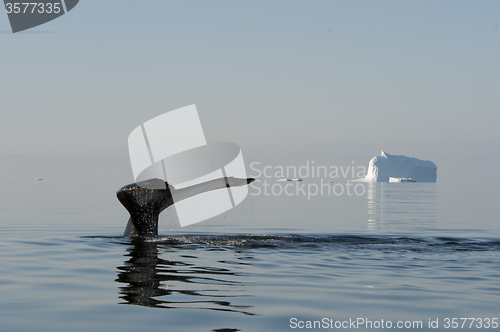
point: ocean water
(407, 253)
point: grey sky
(308, 78)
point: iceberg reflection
(400, 206)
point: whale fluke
(145, 201)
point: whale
(145, 200)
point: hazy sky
(307, 78)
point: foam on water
(327, 242)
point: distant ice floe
(38, 179)
(391, 179)
(279, 180)
(400, 168)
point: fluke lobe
(145, 201)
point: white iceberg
(382, 168)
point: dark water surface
(401, 252)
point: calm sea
(407, 253)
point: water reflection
(401, 205)
(181, 280)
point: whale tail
(147, 199)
